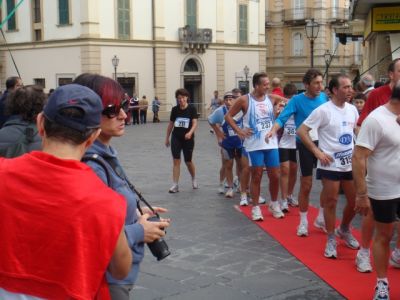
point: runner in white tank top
(258, 118)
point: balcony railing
(338, 14)
(195, 39)
(298, 15)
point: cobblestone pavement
(217, 253)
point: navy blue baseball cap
(78, 96)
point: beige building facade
(381, 32)
(159, 45)
(289, 48)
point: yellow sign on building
(386, 18)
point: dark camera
(158, 248)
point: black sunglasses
(113, 110)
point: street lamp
(115, 62)
(246, 71)
(312, 29)
(328, 59)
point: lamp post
(115, 62)
(312, 29)
(246, 71)
(328, 59)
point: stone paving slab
(216, 252)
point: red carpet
(341, 274)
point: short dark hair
(66, 134)
(334, 82)
(28, 102)
(182, 92)
(11, 82)
(310, 75)
(257, 78)
(392, 64)
(289, 90)
(236, 91)
(360, 96)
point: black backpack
(21, 146)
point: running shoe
(229, 193)
(320, 223)
(330, 249)
(381, 291)
(221, 189)
(174, 189)
(256, 214)
(348, 238)
(292, 201)
(195, 184)
(276, 211)
(261, 200)
(236, 182)
(284, 206)
(394, 260)
(302, 229)
(243, 200)
(363, 262)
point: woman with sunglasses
(182, 124)
(137, 228)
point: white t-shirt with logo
(335, 126)
(380, 133)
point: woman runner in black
(182, 124)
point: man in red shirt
(61, 228)
(381, 95)
(276, 87)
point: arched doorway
(192, 81)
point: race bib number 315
(182, 122)
(343, 158)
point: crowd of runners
(349, 133)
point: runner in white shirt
(258, 118)
(335, 122)
(377, 151)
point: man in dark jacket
(12, 84)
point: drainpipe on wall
(153, 20)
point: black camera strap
(103, 162)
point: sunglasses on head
(113, 110)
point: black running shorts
(386, 211)
(178, 145)
(307, 159)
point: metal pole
(312, 52)
(115, 73)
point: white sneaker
(221, 189)
(261, 200)
(284, 206)
(276, 211)
(292, 201)
(194, 184)
(394, 260)
(174, 189)
(330, 249)
(320, 223)
(256, 214)
(229, 193)
(363, 262)
(302, 229)
(243, 200)
(348, 238)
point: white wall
(45, 63)
(141, 19)
(235, 61)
